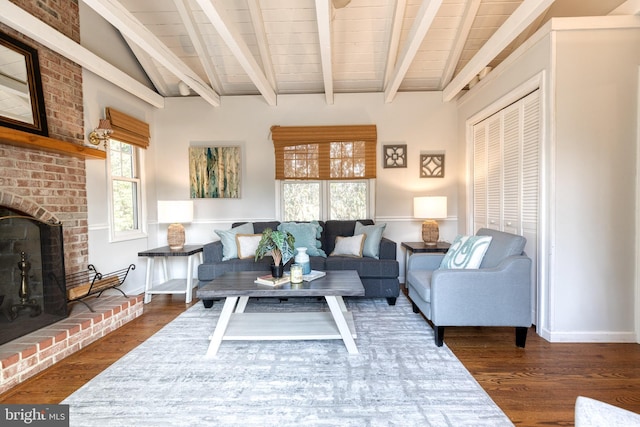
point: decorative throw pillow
(466, 252)
(247, 245)
(228, 239)
(307, 235)
(349, 246)
(374, 236)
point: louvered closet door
(494, 171)
(480, 176)
(506, 168)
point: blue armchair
(498, 293)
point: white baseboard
(591, 337)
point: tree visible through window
(125, 189)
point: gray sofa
(379, 276)
(498, 293)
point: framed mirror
(21, 98)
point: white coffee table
(235, 324)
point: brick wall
(44, 185)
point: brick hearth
(26, 356)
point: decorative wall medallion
(431, 165)
(395, 156)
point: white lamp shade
(175, 211)
(430, 207)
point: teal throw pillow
(374, 236)
(466, 252)
(228, 239)
(307, 235)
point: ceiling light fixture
(339, 4)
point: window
(130, 136)
(124, 191)
(325, 171)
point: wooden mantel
(25, 139)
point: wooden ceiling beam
(233, 39)
(323, 18)
(394, 40)
(469, 15)
(515, 24)
(263, 44)
(186, 15)
(118, 16)
(424, 19)
(22, 21)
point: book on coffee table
(313, 275)
(269, 280)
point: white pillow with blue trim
(466, 252)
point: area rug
(400, 378)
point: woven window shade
(128, 129)
(325, 152)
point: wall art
(395, 156)
(214, 172)
(431, 165)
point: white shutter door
(480, 176)
(512, 136)
(494, 171)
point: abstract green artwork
(214, 172)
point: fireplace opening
(32, 274)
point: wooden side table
(170, 286)
(419, 248)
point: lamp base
(175, 237)
(430, 232)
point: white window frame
(138, 165)
(325, 202)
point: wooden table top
(241, 284)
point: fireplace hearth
(32, 274)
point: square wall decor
(431, 165)
(395, 156)
(214, 172)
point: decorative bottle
(303, 259)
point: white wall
(105, 255)
(419, 120)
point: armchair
(498, 293)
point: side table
(419, 248)
(170, 286)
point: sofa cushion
(349, 246)
(502, 245)
(420, 280)
(466, 252)
(307, 235)
(247, 245)
(335, 228)
(374, 236)
(228, 238)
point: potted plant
(278, 244)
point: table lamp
(175, 213)
(430, 208)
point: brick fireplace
(51, 187)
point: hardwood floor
(534, 386)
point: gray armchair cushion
(502, 245)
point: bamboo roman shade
(128, 129)
(325, 152)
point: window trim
(141, 232)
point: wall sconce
(175, 213)
(430, 208)
(101, 133)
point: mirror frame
(38, 111)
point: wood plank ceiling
(214, 48)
